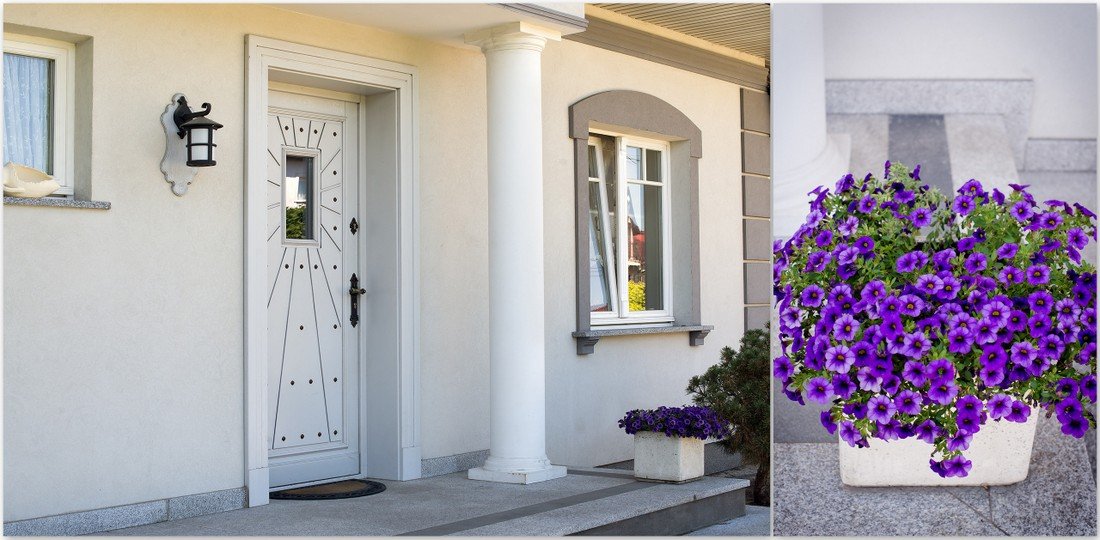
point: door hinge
(354, 226)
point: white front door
(313, 347)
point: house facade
(436, 238)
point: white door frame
(398, 443)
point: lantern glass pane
(200, 135)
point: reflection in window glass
(298, 191)
(28, 111)
(599, 282)
(633, 163)
(653, 165)
(645, 285)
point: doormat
(344, 489)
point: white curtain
(27, 111)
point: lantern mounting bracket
(184, 113)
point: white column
(804, 154)
(517, 377)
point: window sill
(58, 202)
(586, 341)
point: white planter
(660, 458)
(1000, 453)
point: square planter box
(660, 458)
(1000, 453)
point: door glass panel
(28, 111)
(645, 279)
(298, 191)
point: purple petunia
(845, 328)
(1038, 274)
(920, 217)
(818, 389)
(1007, 251)
(975, 263)
(1018, 412)
(943, 392)
(850, 434)
(999, 406)
(1049, 220)
(843, 386)
(864, 244)
(929, 284)
(908, 402)
(782, 368)
(963, 205)
(880, 409)
(1010, 275)
(914, 372)
(1021, 211)
(812, 296)
(866, 204)
(839, 359)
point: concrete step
(586, 501)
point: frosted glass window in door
(298, 192)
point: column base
(520, 477)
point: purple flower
(817, 261)
(1022, 353)
(927, 431)
(985, 332)
(880, 409)
(942, 259)
(872, 291)
(940, 370)
(848, 226)
(1050, 220)
(959, 341)
(966, 244)
(845, 328)
(1018, 412)
(911, 305)
(920, 217)
(975, 263)
(782, 368)
(1010, 275)
(827, 422)
(1022, 211)
(1039, 325)
(1075, 426)
(908, 402)
(969, 406)
(866, 204)
(824, 238)
(1077, 238)
(839, 358)
(864, 244)
(943, 392)
(1007, 251)
(1040, 302)
(904, 196)
(812, 296)
(929, 284)
(1038, 274)
(957, 466)
(914, 372)
(818, 389)
(909, 262)
(1017, 320)
(1088, 387)
(991, 375)
(963, 205)
(916, 345)
(960, 441)
(972, 188)
(950, 288)
(850, 434)
(843, 386)
(1068, 407)
(999, 406)
(997, 312)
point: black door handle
(355, 291)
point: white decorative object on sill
(660, 458)
(27, 182)
(1000, 453)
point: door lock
(355, 291)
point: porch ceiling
(442, 22)
(741, 27)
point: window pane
(599, 284)
(298, 190)
(633, 163)
(593, 165)
(28, 111)
(653, 165)
(644, 249)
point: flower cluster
(917, 315)
(698, 422)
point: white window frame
(621, 314)
(63, 55)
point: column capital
(515, 35)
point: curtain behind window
(27, 111)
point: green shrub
(737, 388)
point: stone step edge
(608, 510)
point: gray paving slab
(921, 139)
(980, 148)
(757, 521)
(870, 137)
(1058, 498)
(454, 503)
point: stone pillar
(517, 377)
(803, 153)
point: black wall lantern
(199, 131)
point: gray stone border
(1010, 98)
(633, 111)
(451, 464)
(756, 201)
(1060, 155)
(130, 515)
(57, 202)
(632, 42)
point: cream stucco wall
(586, 395)
(123, 368)
(123, 351)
